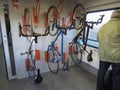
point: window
(94, 16)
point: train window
(93, 16)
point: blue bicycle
(55, 56)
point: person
(109, 51)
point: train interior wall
(20, 44)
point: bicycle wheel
(52, 17)
(79, 16)
(76, 54)
(27, 22)
(53, 64)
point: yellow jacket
(109, 41)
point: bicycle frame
(57, 56)
(88, 27)
(31, 64)
(60, 32)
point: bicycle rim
(53, 65)
(79, 16)
(76, 54)
(46, 31)
(52, 15)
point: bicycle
(74, 22)
(74, 15)
(78, 44)
(54, 56)
(30, 63)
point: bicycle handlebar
(33, 34)
(100, 19)
(97, 22)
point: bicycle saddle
(39, 78)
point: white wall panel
(20, 44)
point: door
(7, 42)
(3, 71)
(9, 38)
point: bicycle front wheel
(27, 22)
(76, 54)
(52, 17)
(53, 64)
(79, 16)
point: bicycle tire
(46, 31)
(27, 24)
(27, 21)
(76, 54)
(52, 64)
(50, 19)
(79, 16)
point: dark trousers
(103, 67)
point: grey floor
(75, 79)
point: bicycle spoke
(53, 64)
(76, 54)
(79, 15)
(52, 15)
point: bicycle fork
(65, 63)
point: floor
(75, 79)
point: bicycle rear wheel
(76, 54)
(52, 17)
(53, 64)
(79, 16)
